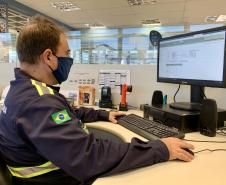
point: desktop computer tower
(185, 121)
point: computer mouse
(189, 151)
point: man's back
(16, 148)
(20, 94)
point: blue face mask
(63, 68)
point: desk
(207, 168)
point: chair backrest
(5, 176)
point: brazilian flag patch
(61, 117)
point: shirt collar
(19, 74)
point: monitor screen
(196, 58)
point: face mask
(63, 68)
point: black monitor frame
(201, 83)
(197, 86)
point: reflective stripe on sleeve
(28, 172)
(86, 130)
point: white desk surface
(207, 168)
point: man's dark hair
(40, 34)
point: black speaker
(157, 98)
(208, 118)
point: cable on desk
(203, 93)
(114, 108)
(222, 128)
(222, 131)
(132, 107)
(214, 150)
(129, 107)
(174, 97)
(204, 141)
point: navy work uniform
(43, 141)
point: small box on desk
(185, 121)
(86, 95)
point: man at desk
(42, 139)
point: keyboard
(148, 129)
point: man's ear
(47, 55)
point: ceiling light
(141, 2)
(221, 18)
(97, 25)
(151, 22)
(86, 25)
(65, 6)
(211, 18)
(81, 25)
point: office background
(122, 44)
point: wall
(6, 74)
(143, 79)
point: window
(106, 46)
(198, 27)
(116, 46)
(8, 48)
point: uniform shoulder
(42, 88)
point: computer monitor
(196, 59)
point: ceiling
(118, 13)
(16, 20)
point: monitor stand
(188, 106)
(196, 99)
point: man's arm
(52, 127)
(90, 115)
(79, 154)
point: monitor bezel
(207, 83)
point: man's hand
(113, 115)
(176, 151)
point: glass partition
(116, 46)
(106, 46)
(7, 48)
